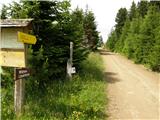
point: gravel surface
(133, 91)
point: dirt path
(132, 90)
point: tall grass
(83, 98)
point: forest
(137, 34)
(55, 25)
(49, 94)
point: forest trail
(133, 91)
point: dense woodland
(137, 33)
(55, 25)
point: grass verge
(83, 98)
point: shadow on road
(110, 77)
(105, 52)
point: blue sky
(105, 11)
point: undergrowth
(82, 98)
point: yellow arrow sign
(26, 38)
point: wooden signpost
(13, 53)
(19, 90)
(20, 73)
(70, 69)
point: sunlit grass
(83, 98)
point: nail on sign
(22, 73)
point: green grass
(83, 98)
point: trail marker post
(71, 52)
(70, 69)
(13, 53)
(21, 73)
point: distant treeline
(137, 33)
(55, 26)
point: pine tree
(147, 33)
(120, 20)
(140, 37)
(120, 43)
(142, 8)
(112, 40)
(55, 27)
(91, 33)
(133, 11)
(130, 44)
(4, 12)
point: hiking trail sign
(22, 73)
(13, 53)
(26, 38)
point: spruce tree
(91, 33)
(4, 12)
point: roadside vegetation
(82, 98)
(49, 95)
(137, 33)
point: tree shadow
(106, 53)
(103, 50)
(110, 77)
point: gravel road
(133, 91)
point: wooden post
(71, 53)
(71, 58)
(18, 95)
(19, 90)
(70, 62)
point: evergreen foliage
(4, 12)
(138, 36)
(55, 26)
(91, 34)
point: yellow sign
(12, 58)
(26, 38)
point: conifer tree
(91, 33)
(133, 11)
(142, 7)
(4, 12)
(140, 37)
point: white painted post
(70, 62)
(71, 53)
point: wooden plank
(12, 49)
(9, 38)
(12, 58)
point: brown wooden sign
(22, 73)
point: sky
(104, 10)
